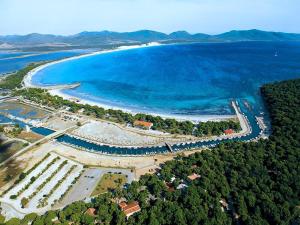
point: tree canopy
(172, 126)
(240, 183)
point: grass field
(109, 181)
(9, 171)
(10, 148)
(29, 136)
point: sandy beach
(27, 82)
(193, 118)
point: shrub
(29, 217)
(24, 202)
(32, 179)
(13, 221)
(13, 196)
(25, 144)
(2, 218)
(22, 176)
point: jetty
(54, 87)
(169, 147)
(61, 87)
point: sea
(185, 79)
(179, 79)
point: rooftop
(142, 123)
(229, 131)
(194, 176)
(130, 208)
(91, 211)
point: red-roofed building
(91, 212)
(130, 208)
(122, 205)
(142, 124)
(194, 176)
(228, 131)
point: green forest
(258, 181)
(15, 80)
(167, 125)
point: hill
(257, 35)
(95, 39)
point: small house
(194, 176)
(91, 212)
(129, 208)
(228, 131)
(142, 124)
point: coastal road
(46, 138)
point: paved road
(49, 137)
(9, 211)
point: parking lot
(87, 183)
(43, 185)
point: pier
(169, 147)
(61, 87)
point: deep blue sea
(180, 78)
(13, 61)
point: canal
(104, 149)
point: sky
(67, 17)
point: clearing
(109, 181)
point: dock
(63, 86)
(169, 147)
(261, 123)
(58, 87)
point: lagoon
(186, 79)
(13, 61)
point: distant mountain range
(110, 38)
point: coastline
(192, 118)
(27, 83)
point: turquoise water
(179, 79)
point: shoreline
(192, 118)
(27, 83)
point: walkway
(46, 138)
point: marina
(253, 132)
(149, 112)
